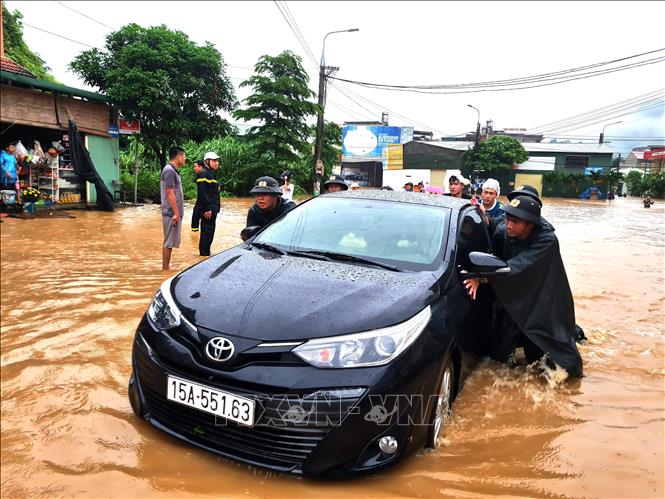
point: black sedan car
(332, 341)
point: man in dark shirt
(196, 212)
(269, 203)
(535, 307)
(208, 192)
(456, 185)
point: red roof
(11, 67)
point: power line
(384, 108)
(600, 110)
(433, 92)
(296, 32)
(511, 81)
(302, 37)
(634, 110)
(59, 36)
(84, 15)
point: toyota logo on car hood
(220, 349)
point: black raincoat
(257, 217)
(85, 169)
(536, 295)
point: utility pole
(324, 73)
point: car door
(472, 235)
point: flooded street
(74, 289)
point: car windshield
(405, 235)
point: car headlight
(370, 348)
(163, 313)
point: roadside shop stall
(35, 115)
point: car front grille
(281, 439)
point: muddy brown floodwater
(74, 289)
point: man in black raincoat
(535, 307)
(269, 204)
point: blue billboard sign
(368, 141)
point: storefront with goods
(34, 117)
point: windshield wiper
(352, 258)
(268, 247)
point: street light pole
(602, 134)
(317, 169)
(477, 127)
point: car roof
(403, 197)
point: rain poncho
(536, 296)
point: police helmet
(266, 185)
(525, 190)
(524, 207)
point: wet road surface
(73, 290)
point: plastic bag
(21, 151)
(58, 146)
(39, 150)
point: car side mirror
(484, 264)
(249, 232)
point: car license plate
(211, 400)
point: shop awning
(52, 87)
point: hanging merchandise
(58, 146)
(21, 151)
(38, 149)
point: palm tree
(574, 180)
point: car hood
(262, 295)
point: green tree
(238, 165)
(573, 182)
(634, 182)
(596, 177)
(175, 87)
(551, 180)
(332, 145)
(280, 101)
(17, 50)
(496, 153)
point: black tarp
(537, 294)
(84, 168)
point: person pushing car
(268, 204)
(535, 307)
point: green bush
(147, 184)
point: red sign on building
(654, 154)
(129, 127)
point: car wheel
(442, 410)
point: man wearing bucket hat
(208, 191)
(335, 184)
(534, 307)
(269, 203)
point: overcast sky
(412, 43)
